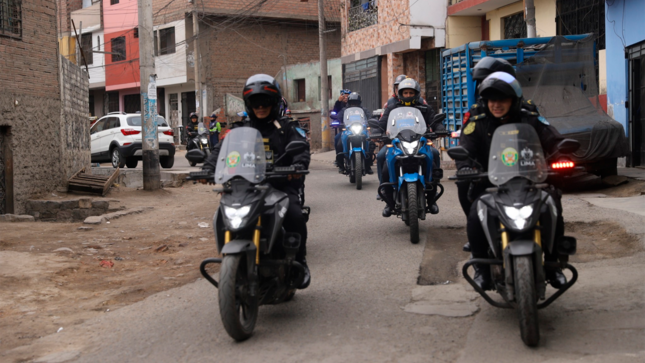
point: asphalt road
(364, 271)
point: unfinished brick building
(385, 38)
(44, 130)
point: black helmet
(262, 90)
(489, 65)
(193, 114)
(354, 99)
(501, 85)
(398, 80)
(409, 83)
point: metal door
(636, 103)
(364, 77)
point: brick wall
(386, 31)
(30, 104)
(65, 8)
(231, 56)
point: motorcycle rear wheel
(526, 297)
(239, 311)
(358, 171)
(413, 213)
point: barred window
(86, 44)
(11, 18)
(118, 49)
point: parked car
(116, 138)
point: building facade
(43, 94)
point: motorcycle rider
(215, 129)
(485, 67)
(353, 100)
(262, 100)
(192, 130)
(409, 96)
(502, 96)
(342, 100)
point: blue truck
(559, 75)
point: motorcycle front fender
(521, 248)
(242, 246)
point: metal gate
(636, 103)
(364, 77)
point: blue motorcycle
(409, 165)
(355, 143)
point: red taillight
(563, 165)
(169, 133)
(127, 143)
(128, 132)
(455, 134)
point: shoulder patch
(543, 120)
(470, 128)
(478, 117)
(466, 118)
(301, 132)
(473, 106)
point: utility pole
(199, 102)
(324, 87)
(151, 171)
(529, 17)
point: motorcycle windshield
(242, 154)
(354, 115)
(405, 118)
(516, 152)
(201, 129)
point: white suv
(116, 137)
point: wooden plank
(82, 171)
(110, 181)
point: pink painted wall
(121, 16)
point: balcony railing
(363, 15)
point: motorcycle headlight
(204, 141)
(410, 147)
(236, 215)
(519, 215)
(356, 129)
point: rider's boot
(466, 247)
(368, 170)
(387, 211)
(482, 276)
(556, 278)
(434, 208)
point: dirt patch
(441, 255)
(54, 275)
(601, 240)
(632, 188)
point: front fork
(538, 264)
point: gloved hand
(299, 166)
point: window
(98, 126)
(113, 101)
(581, 17)
(98, 42)
(118, 49)
(155, 41)
(114, 2)
(166, 41)
(11, 18)
(86, 45)
(362, 13)
(301, 95)
(515, 26)
(132, 103)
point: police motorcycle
(519, 220)
(200, 146)
(409, 159)
(335, 123)
(258, 266)
(355, 142)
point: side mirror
(439, 117)
(373, 123)
(295, 147)
(568, 146)
(458, 153)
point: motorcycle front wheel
(413, 213)
(239, 311)
(358, 170)
(526, 297)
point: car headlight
(519, 215)
(356, 129)
(236, 215)
(410, 147)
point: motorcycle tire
(349, 168)
(118, 161)
(413, 213)
(238, 315)
(131, 163)
(526, 298)
(358, 171)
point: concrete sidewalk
(634, 173)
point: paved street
(181, 163)
(364, 273)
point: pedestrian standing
(215, 129)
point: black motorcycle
(258, 266)
(519, 220)
(199, 147)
